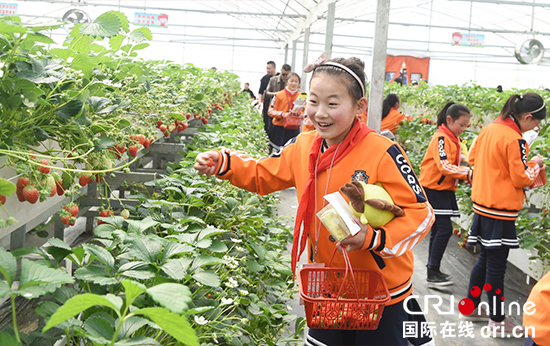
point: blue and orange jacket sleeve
(521, 175)
(401, 234)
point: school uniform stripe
(311, 341)
(446, 212)
(496, 212)
(450, 168)
(400, 248)
(493, 243)
(533, 172)
(402, 291)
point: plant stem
(9, 153)
(14, 314)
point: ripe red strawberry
(43, 169)
(197, 116)
(19, 193)
(60, 188)
(159, 123)
(184, 126)
(22, 182)
(119, 150)
(85, 179)
(141, 139)
(2, 199)
(204, 121)
(65, 219)
(146, 143)
(188, 116)
(98, 177)
(163, 128)
(105, 213)
(132, 150)
(30, 193)
(72, 209)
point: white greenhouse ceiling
(234, 30)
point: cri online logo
(466, 306)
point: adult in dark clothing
(247, 90)
(271, 71)
(276, 84)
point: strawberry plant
(485, 105)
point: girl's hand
(294, 113)
(538, 159)
(206, 163)
(357, 241)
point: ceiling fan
(529, 52)
(76, 16)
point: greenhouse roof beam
(500, 2)
(458, 28)
(232, 13)
(187, 25)
(314, 14)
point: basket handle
(348, 269)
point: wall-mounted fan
(529, 52)
(76, 16)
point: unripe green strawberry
(125, 213)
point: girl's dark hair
(354, 64)
(388, 103)
(455, 110)
(295, 75)
(516, 105)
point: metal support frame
(293, 64)
(376, 94)
(330, 29)
(305, 57)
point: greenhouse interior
(283, 172)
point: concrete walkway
(458, 262)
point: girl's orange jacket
(535, 318)
(374, 159)
(283, 103)
(393, 119)
(439, 169)
(501, 170)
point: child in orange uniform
(319, 162)
(501, 173)
(391, 116)
(281, 107)
(535, 319)
(440, 172)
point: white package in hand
(337, 217)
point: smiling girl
(282, 107)
(440, 172)
(319, 162)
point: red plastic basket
(541, 179)
(291, 122)
(333, 301)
